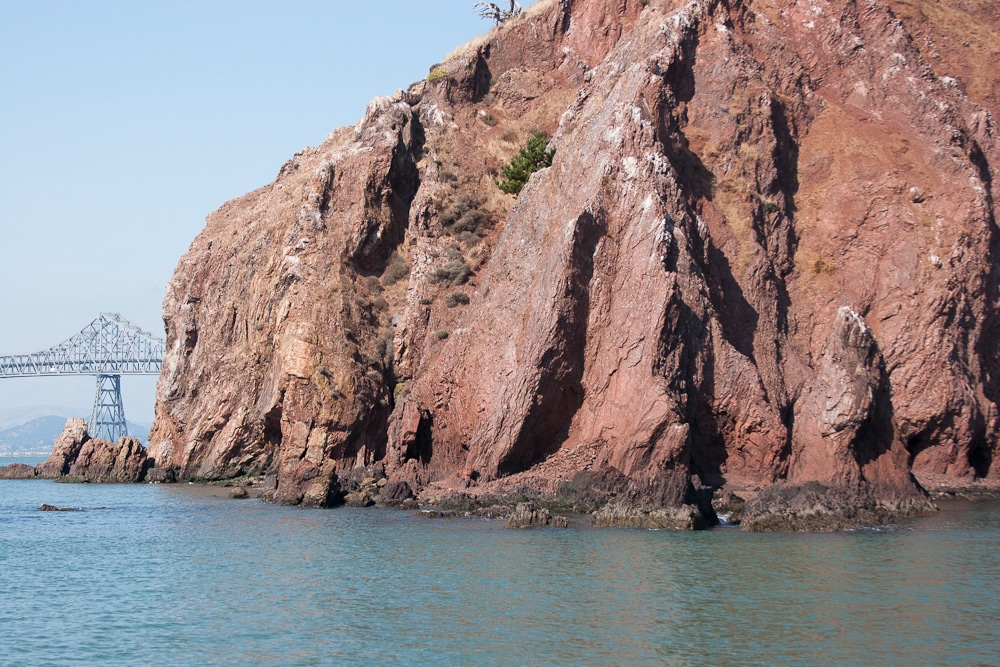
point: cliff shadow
(387, 203)
(737, 317)
(559, 392)
(708, 443)
(983, 453)
(686, 361)
(422, 447)
(786, 162)
(877, 432)
(695, 179)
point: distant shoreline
(30, 458)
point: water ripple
(172, 575)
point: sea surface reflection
(182, 575)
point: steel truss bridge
(108, 347)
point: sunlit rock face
(766, 252)
(79, 458)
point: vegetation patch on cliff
(535, 155)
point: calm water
(173, 575)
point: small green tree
(528, 160)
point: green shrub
(464, 214)
(440, 334)
(456, 298)
(455, 272)
(528, 160)
(385, 345)
(437, 75)
(395, 270)
(471, 221)
(399, 391)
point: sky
(123, 124)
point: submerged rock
(303, 482)
(52, 508)
(526, 515)
(359, 499)
(813, 507)
(365, 486)
(161, 475)
(436, 514)
(396, 494)
(685, 517)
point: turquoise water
(174, 575)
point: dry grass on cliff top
(960, 39)
(476, 42)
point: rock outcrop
(101, 461)
(17, 471)
(765, 256)
(67, 447)
(526, 515)
(78, 457)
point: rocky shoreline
(811, 508)
(595, 498)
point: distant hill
(33, 436)
(37, 434)
(10, 417)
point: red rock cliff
(766, 253)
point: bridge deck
(110, 345)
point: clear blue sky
(123, 124)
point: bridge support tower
(108, 419)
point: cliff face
(765, 254)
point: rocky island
(77, 457)
(760, 276)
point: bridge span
(108, 347)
